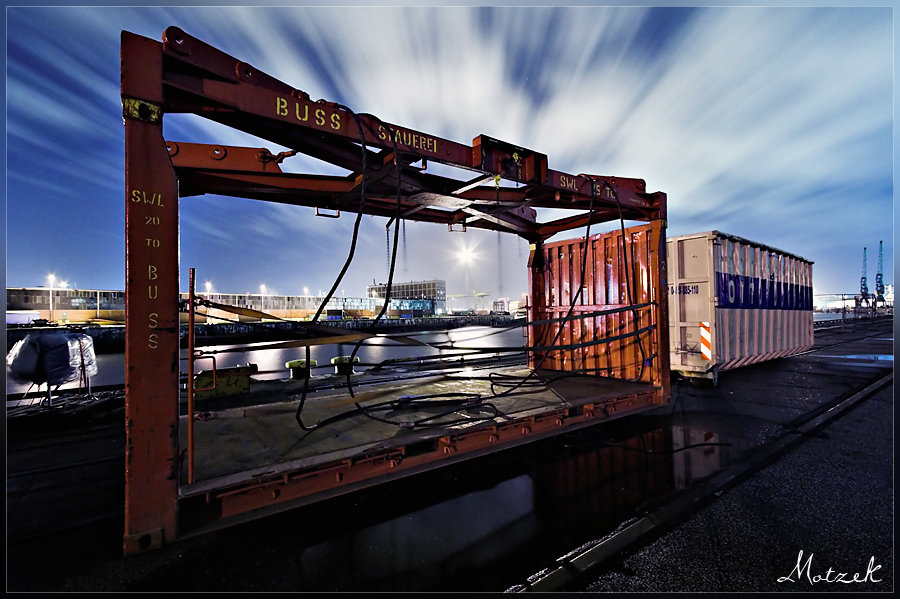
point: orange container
(603, 313)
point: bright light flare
(466, 255)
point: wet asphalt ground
(805, 519)
(819, 518)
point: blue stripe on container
(740, 291)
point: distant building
(91, 305)
(435, 290)
(66, 303)
(500, 306)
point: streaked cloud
(770, 123)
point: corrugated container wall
(617, 326)
(734, 302)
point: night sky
(773, 124)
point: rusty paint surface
(151, 319)
(607, 296)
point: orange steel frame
(182, 74)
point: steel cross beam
(203, 80)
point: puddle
(879, 357)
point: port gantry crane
(863, 287)
(879, 276)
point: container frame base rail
(226, 448)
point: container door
(691, 297)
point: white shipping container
(734, 302)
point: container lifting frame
(182, 74)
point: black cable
(631, 280)
(575, 298)
(387, 292)
(466, 401)
(496, 381)
(359, 214)
(397, 219)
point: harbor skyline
(746, 125)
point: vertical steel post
(190, 378)
(663, 365)
(538, 298)
(152, 350)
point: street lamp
(262, 291)
(466, 256)
(63, 285)
(51, 278)
(208, 287)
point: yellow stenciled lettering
(382, 134)
(153, 341)
(320, 117)
(336, 120)
(152, 291)
(567, 182)
(154, 320)
(281, 106)
(136, 195)
(305, 116)
(151, 272)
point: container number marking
(684, 289)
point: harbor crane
(474, 294)
(863, 288)
(879, 277)
(479, 294)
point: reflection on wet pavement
(558, 494)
